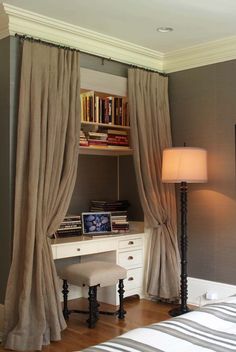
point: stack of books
(70, 226)
(83, 140)
(120, 221)
(97, 139)
(117, 138)
(118, 210)
(109, 205)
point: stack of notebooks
(70, 226)
(97, 139)
(118, 210)
(83, 140)
(117, 138)
(111, 138)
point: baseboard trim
(197, 289)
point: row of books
(72, 225)
(108, 110)
(109, 138)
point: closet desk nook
(127, 250)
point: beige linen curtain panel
(46, 167)
(151, 133)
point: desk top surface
(72, 239)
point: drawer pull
(131, 242)
(130, 278)
(78, 249)
(130, 257)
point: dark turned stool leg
(93, 307)
(65, 292)
(121, 312)
(97, 304)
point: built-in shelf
(109, 151)
(104, 86)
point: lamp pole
(183, 247)
(183, 308)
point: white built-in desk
(126, 250)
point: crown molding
(200, 55)
(16, 20)
(4, 31)
(43, 27)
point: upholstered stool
(93, 274)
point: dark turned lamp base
(175, 312)
(183, 308)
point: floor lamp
(184, 165)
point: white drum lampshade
(184, 164)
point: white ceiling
(194, 21)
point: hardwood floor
(77, 336)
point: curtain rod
(37, 40)
(126, 64)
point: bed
(210, 328)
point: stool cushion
(93, 273)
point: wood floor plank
(77, 336)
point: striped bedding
(210, 328)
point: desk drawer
(134, 279)
(83, 248)
(72, 251)
(131, 258)
(135, 242)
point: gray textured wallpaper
(203, 113)
(9, 73)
